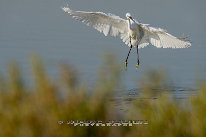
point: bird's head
(128, 16)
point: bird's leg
(128, 55)
(137, 65)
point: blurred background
(50, 64)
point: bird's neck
(130, 23)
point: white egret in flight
(132, 33)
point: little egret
(130, 31)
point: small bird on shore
(132, 33)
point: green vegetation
(34, 111)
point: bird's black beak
(131, 18)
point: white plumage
(114, 25)
(132, 33)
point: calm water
(41, 27)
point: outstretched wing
(106, 23)
(161, 39)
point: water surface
(42, 27)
